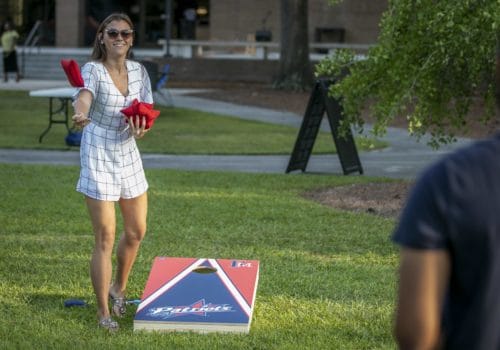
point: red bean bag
(141, 109)
(72, 71)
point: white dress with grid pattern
(111, 166)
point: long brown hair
(99, 52)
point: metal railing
(31, 41)
(256, 49)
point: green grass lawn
(177, 131)
(327, 278)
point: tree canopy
(433, 59)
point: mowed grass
(177, 131)
(327, 278)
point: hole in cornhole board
(204, 269)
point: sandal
(118, 307)
(109, 324)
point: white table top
(56, 92)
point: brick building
(65, 22)
(357, 19)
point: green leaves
(433, 58)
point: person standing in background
(96, 12)
(9, 40)
(186, 19)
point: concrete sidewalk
(405, 158)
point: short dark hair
(99, 52)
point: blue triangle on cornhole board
(198, 297)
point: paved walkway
(405, 158)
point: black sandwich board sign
(319, 102)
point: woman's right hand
(80, 120)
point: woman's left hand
(138, 126)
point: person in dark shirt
(449, 233)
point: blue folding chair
(161, 85)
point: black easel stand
(319, 102)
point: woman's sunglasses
(113, 33)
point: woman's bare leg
(102, 215)
(134, 212)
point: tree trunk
(497, 74)
(295, 71)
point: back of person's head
(99, 51)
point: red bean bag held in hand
(142, 109)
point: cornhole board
(200, 295)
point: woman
(9, 39)
(111, 167)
